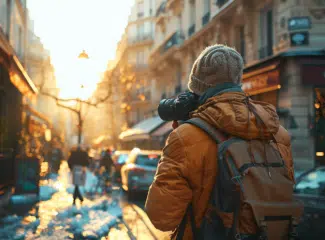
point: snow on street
(54, 217)
(101, 216)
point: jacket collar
(219, 89)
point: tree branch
(67, 107)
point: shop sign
(299, 23)
(263, 82)
(299, 38)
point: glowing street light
(83, 55)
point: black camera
(179, 108)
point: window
(140, 32)
(206, 6)
(140, 58)
(206, 16)
(266, 33)
(312, 184)
(140, 9)
(192, 12)
(220, 3)
(240, 40)
(150, 7)
(192, 20)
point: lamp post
(82, 56)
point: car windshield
(313, 183)
(150, 160)
(122, 158)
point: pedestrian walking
(107, 161)
(78, 161)
(227, 171)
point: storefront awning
(262, 80)
(17, 72)
(21, 80)
(163, 130)
(39, 116)
(142, 130)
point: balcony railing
(265, 51)
(140, 38)
(191, 30)
(176, 39)
(206, 18)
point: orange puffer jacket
(188, 168)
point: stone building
(16, 88)
(132, 54)
(282, 42)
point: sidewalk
(56, 218)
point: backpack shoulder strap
(215, 134)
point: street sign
(299, 38)
(299, 23)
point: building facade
(132, 54)
(282, 43)
(16, 88)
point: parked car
(139, 170)
(119, 158)
(310, 189)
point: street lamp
(83, 55)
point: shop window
(319, 105)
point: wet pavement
(101, 216)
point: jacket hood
(232, 113)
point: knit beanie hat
(215, 65)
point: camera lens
(166, 109)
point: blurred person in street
(188, 168)
(107, 161)
(78, 161)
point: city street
(210, 111)
(100, 215)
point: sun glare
(66, 27)
(80, 79)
